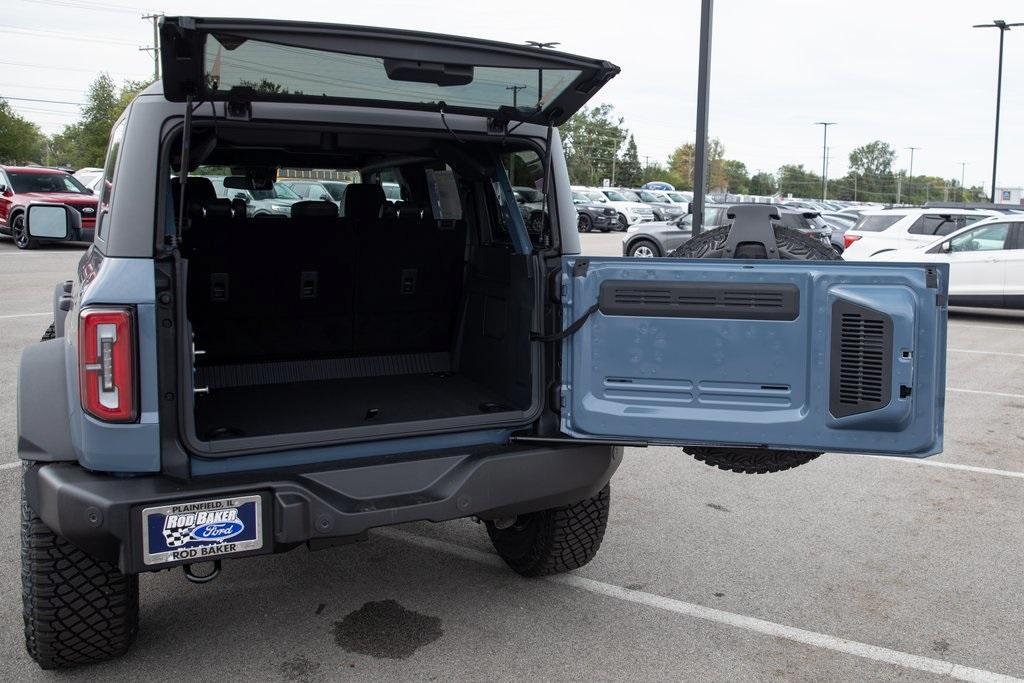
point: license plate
(197, 531)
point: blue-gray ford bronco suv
(218, 385)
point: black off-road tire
(51, 332)
(556, 540)
(584, 223)
(792, 246)
(751, 460)
(77, 610)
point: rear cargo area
(385, 317)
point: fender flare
(44, 432)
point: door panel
(812, 355)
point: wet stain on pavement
(719, 595)
(299, 669)
(386, 630)
(940, 646)
(720, 508)
(320, 608)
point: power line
(65, 68)
(32, 99)
(7, 28)
(84, 4)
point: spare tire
(792, 246)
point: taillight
(106, 370)
(849, 239)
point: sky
(912, 73)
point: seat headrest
(314, 209)
(200, 189)
(364, 201)
(210, 208)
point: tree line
(77, 145)
(598, 145)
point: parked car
(275, 201)
(629, 207)
(218, 386)
(986, 262)
(324, 190)
(21, 186)
(591, 215)
(661, 204)
(662, 238)
(88, 175)
(882, 230)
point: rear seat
(320, 286)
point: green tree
(737, 179)
(657, 171)
(680, 163)
(629, 172)
(592, 139)
(796, 180)
(873, 159)
(20, 139)
(762, 183)
(84, 143)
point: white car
(631, 209)
(986, 262)
(879, 231)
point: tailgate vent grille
(700, 300)
(861, 374)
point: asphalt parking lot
(847, 568)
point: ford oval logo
(217, 531)
(88, 209)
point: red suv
(20, 186)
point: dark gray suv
(219, 385)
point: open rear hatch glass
(222, 59)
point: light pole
(515, 94)
(910, 176)
(824, 157)
(963, 172)
(1003, 28)
(700, 148)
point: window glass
(526, 173)
(935, 224)
(794, 221)
(987, 238)
(29, 181)
(877, 223)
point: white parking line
(984, 393)
(966, 326)
(988, 353)
(954, 466)
(25, 315)
(753, 624)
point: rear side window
(106, 188)
(935, 224)
(877, 223)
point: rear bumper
(102, 514)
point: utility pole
(824, 157)
(910, 176)
(700, 147)
(515, 94)
(899, 187)
(155, 49)
(963, 171)
(855, 186)
(1003, 28)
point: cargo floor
(340, 403)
